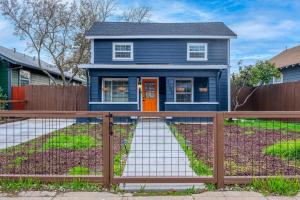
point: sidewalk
(227, 195)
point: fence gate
(166, 147)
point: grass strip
(277, 186)
(266, 124)
(119, 164)
(12, 186)
(198, 166)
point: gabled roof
(162, 30)
(31, 62)
(287, 58)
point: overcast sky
(264, 27)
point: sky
(264, 27)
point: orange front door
(149, 92)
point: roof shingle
(287, 57)
(181, 29)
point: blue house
(288, 62)
(159, 66)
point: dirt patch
(244, 149)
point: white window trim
(102, 93)
(122, 59)
(196, 59)
(192, 80)
(281, 79)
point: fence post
(106, 151)
(220, 149)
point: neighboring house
(159, 66)
(288, 62)
(17, 69)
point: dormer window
(197, 51)
(123, 51)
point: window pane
(197, 55)
(123, 48)
(183, 98)
(120, 91)
(122, 54)
(183, 91)
(107, 91)
(116, 91)
(197, 48)
(183, 86)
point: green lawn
(286, 149)
(266, 124)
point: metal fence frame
(108, 177)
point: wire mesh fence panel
(262, 147)
(56, 145)
(158, 146)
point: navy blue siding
(162, 93)
(223, 91)
(170, 89)
(212, 88)
(162, 51)
(95, 85)
(153, 73)
(291, 74)
(191, 107)
(113, 107)
(132, 89)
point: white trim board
(213, 103)
(150, 66)
(159, 37)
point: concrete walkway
(227, 195)
(14, 133)
(156, 152)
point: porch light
(139, 85)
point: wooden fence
(54, 98)
(276, 97)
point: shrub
(3, 96)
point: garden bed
(248, 149)
(73, 150)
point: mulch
(243, 149)
(52, 161)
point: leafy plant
(74, 142)
(277, 186)
(251, 76)
(3, 96)
(289, 149)
(18, 161)
(79, 171)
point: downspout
(219, 88)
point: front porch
(176, 90)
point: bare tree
(139, 14)
(56, 29)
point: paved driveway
(14, 133)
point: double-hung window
(123, 51)
(197, 51)
(24, 77)
(278, 80)
(184, 90)
(115, 90)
